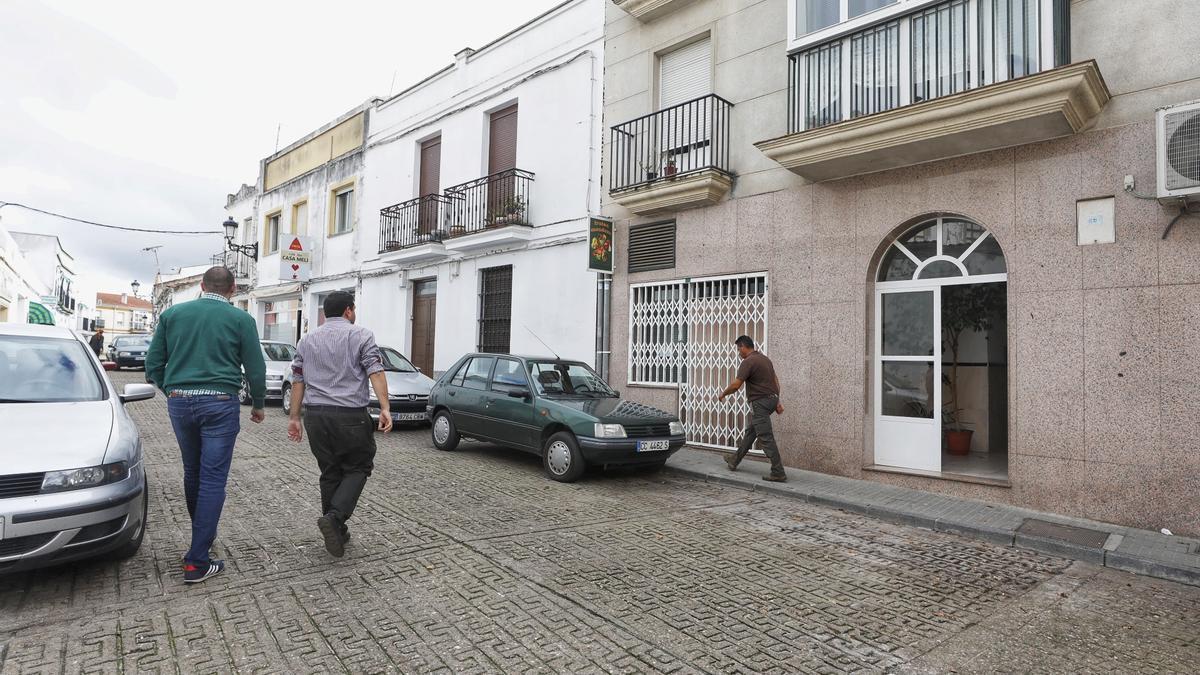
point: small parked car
(72, 476)
(558, 409)
(129, 351)
(278, 357)
(408, 389)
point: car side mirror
(519, 393)
(137, 392)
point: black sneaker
(775, 479)
(331, 531)
(731, 462)
(194, 574)
(345, 534)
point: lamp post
(135, 286)
(249, 250)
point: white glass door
(908, 395)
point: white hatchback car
(72, 479)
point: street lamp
(249, 250)
(135, 286)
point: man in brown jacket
(762, 391)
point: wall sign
(600, 245)
(295, 257)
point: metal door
(908, 374)
(718, 310)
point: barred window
(495, 309)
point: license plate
(653, 446)
(408, 417)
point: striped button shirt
(335, 363)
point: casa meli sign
(295, 257)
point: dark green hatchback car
(561, 410)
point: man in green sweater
(199, 352)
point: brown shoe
(775, 479)
(731, 462)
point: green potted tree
(966, 308)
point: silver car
(408, 390)
(278, 357)
(65, 495)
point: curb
(1005, 531)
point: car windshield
(558, 378)
(43, 370)
(396, 363)
(126, 342)
(277, 351)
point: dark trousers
(206, 428)
(760, 429)
(343, 441)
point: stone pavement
(1124, 548)
(472, 561)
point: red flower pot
(958, 442)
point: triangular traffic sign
(296, 245)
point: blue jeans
(206, 428)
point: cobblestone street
(472, 561)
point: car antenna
(556, 356)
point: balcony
(674, 159)
(489, 212)
(242, 266)
(413, 231)
(649, 10)
(952, 79)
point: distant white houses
(457, 211)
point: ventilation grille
(652, 247)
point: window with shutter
(430, 184)
(502, 149)
(652, 247)
(685, 74)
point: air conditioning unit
(1179, 151)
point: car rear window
(43, 370)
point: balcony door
(502, 159)
(429, 184)
(684, 136)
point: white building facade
(456, 211)
(19, 283)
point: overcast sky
(146, 114)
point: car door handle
(451, 393)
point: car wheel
(561, 458)
(445, 436)
(287, 398)
(244, 393)
(130, 549)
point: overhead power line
(104, 225)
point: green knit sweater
(205, 344)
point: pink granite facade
(1103, 340)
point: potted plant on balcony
(650, 166)
(670, 169)
(510, 211)
(966, 308)
(457, 230)
(391, 245)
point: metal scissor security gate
(682, 333)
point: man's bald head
(218, 280)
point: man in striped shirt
(330, 375)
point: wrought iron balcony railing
(492, 201)
(673, 142)
(241, 265)
(941, 50)
(416, 221)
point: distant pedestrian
(97, 342)
(331, 373)
(762, 391)
(197, 357)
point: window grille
(495, 309)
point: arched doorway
(941, 317)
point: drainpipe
(603, 281)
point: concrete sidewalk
(1123, 548)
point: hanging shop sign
(600, 245)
